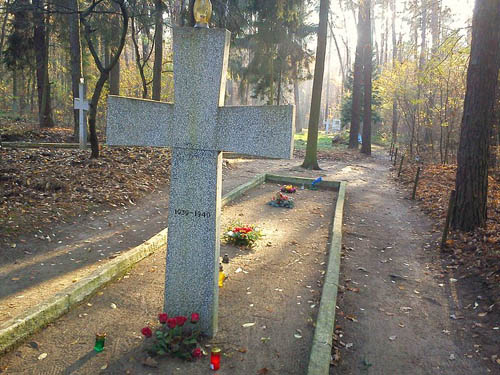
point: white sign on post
(82, 105)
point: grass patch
(324, 141)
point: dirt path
(396, 306)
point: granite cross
(82, 105)
(198, 128)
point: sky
(461, 9)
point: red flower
(172, 323)
(180, 320)
(146, 331)
(163, 317)
(195, 317)
(197, 353)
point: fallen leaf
(263, 371)
(298, 334)
(113, 306)
(352, 318)
(246, 325)
(242, 350)
(104, 367)
(392, 338)
(150, 362)
(42, 356)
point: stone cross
(82, 105)
(198, 128)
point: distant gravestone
(198, 128)
(82, 105)
(327, 124)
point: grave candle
(100, 338)
(215, 359)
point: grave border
(14, 331)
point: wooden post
(451, 207)
(416, 183)
(401, 164)
(390, 148)
(395, 156)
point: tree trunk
(4, 24)
(15, 93)
(394, 62)
(75, 51)
(158, 50)
(41, 42)
(311, 158)
(327, 98)
(114, 79)
(140, 65)
(296, 95)
(356, 87)
(471, 182)
(366, 147)
(104, 70)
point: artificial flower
(195, 317)
(146, 331)
(163, 317)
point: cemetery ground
(404, 307)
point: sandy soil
(276, 285)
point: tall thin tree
(41, 43)
(366, 147)
(104, 69)
(356, 87)
(158, 50)
(75, 51)
(311, 158)
(471, 183)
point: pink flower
(180, 320)
(146, 331)
(163, 317)
(197, 353)
(195, 317)
(172, 323)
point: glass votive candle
(100, 338)
(215, 359)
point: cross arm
(138, 122)
(257, 130)
(81, 104)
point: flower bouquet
(240, 235)
(282, 200)
(290, 189)
(174, 337)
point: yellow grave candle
(202, 10)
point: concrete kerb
(319, 359)
(15, 330)
(320, 355)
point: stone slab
(200, 65)
(138, 122)
(259, 130)
(194, 236)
